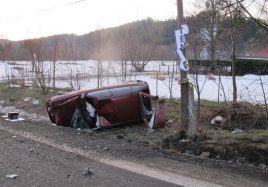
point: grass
(16, 96)
(253, 138)
(217, 139)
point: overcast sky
(22, 19)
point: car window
(119, 91)
(136, 88)
(100, 93)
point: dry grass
(221, 141)
(158, 76)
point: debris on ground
(87, 171)
(218, 120)
(120, 136)
(11, 176)
(238, 115)
(188, 151)
(13, 115)
(205, 154)
(236, 130)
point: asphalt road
(45, 155)
(43, 165)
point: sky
(23, 19)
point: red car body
(125, 103)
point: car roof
(141, 84)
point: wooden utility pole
(183, 81)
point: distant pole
(183, 81)
(156, 83)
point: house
(254, 63)
(259, 55)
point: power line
(44, 10)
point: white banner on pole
(180, 43)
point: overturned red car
(113, 105)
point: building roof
(251, 58)
(261, 53)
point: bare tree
(262, 18)
(195, 49)
(260, 69)
(19, 76)
(138, 45)
(67, 48)
(236, 13)
(207, 27)
(97, 42)
(264, 84)
(235, 18)
(5, 48)
(8, 72)
(55, 55)
(230, 15)
(73, 76)
(40, 66)
(122, 71)
(125, 53)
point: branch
(262, 24)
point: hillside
(141, 40)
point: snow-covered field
(249, 87)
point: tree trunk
(233, 68)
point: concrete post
(192, 128)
